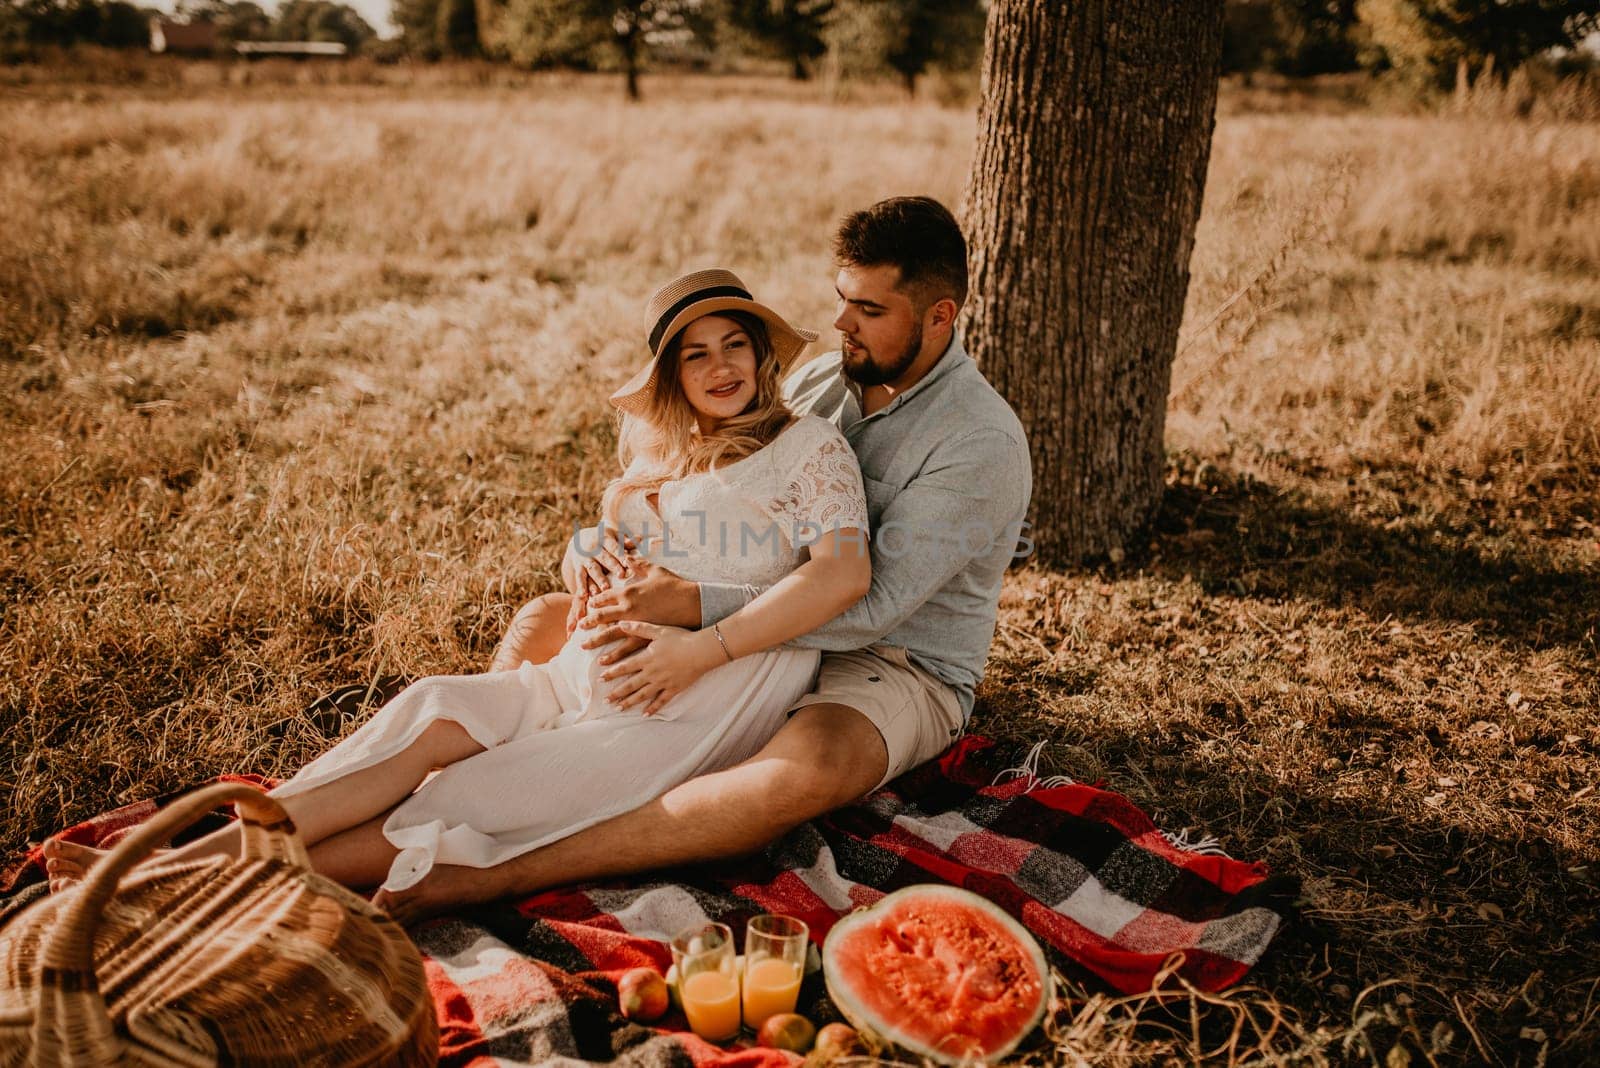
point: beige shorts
(918, 715)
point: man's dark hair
(917, 235)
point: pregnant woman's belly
(579, 670)
(777, 676)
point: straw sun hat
(682, 301)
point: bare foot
(445, 887)
(66, 863)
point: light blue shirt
(947, 477)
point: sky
(376, 12)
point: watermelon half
(939, 972)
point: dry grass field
(302, 385)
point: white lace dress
(557, 756)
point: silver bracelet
(716, 628)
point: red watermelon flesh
(938, 974)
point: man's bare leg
(826, 756)
(536, 634)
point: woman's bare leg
(346, 802)
(536, 634)
(358, 857)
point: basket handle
(72, 1026)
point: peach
(642, 994)
(787, 1030)
(837, 1040)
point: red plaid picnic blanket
(1108, 895)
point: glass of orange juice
(708, 983)
(774, 962)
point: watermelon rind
(885, 1032)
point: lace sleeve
(825, 492)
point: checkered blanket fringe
(1107, 894)
(1028, 773)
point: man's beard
(864, 372)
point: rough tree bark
(1094, 133)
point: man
(945, 465)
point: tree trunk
(1093, 136)
(491, 17)
(628, 42)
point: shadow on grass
(1239, 536)
(1483, 914)
(1444, 911)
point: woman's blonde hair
(665, 443)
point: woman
(721, 483)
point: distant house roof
(290, 48)
(169, 36)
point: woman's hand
(607, 561)
(610, 564)
(578, 607)
(652, 592)
(668, 665)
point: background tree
(242, 21)
(1429, 39)
(1295, 37)
(552, 33)
(123, 25)
(588, 33)
(108, 23)
(235, 20)
(1250, 35)
(14, 28)
(322, 20)
(418, 21)
(904, 37)
(1094, 133)
(792, 30)
(456, 27)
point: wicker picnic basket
(256, 961)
